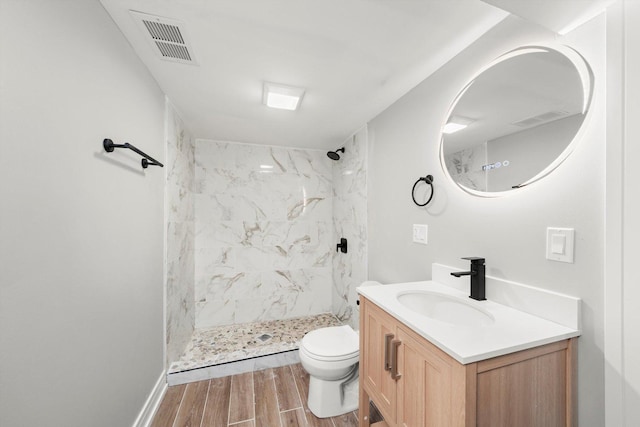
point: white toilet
(330, 356)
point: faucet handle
(475, 260)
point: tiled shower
(263, 233)
(252, 232)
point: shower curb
(252, 364)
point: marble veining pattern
(350, 221)
(222, 344)
(465, 167)
(180, 235)
(263, 233)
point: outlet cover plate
(420, 233)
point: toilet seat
(334, 343)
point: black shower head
(333, 155)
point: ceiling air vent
(541, 118)
(166, 36)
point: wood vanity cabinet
(415, 384)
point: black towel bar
(147, 161)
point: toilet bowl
(330, 356)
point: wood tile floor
(275, 397)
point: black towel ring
(429, 180)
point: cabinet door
(377, 380)
(537, 384)
(425, 385)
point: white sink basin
(470, 330)
(444, 308)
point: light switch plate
(420, 233)
(560, 242)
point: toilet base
(333, 398)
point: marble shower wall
(350, 222)
(264, 238)
(179, 170)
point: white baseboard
(153, 401)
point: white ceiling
(354, 57)
(560, 16)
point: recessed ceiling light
(455, 124)
(452, 127)
(282, 96)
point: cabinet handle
(387, 351)
(394, 359)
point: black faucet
(477, 277)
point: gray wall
(631, 228)
(622, 294)
(508, 231)
(81, 232)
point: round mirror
(516, 120)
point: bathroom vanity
(424, 367)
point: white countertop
(511, 330)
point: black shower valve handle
(342, 246)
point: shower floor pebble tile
(223, 344)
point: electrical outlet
(420, 233)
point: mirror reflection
(516, 120)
